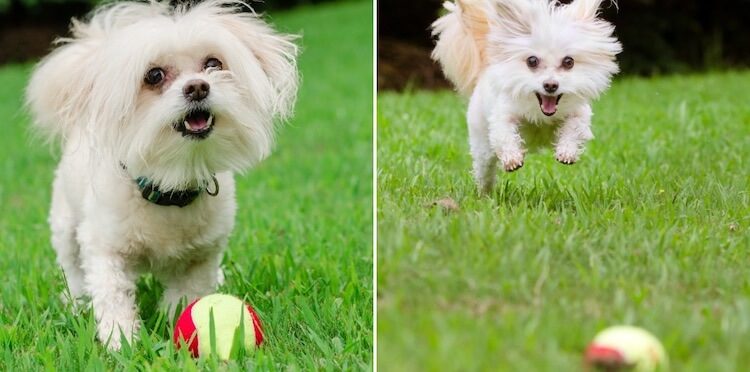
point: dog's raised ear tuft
(513, 16)
(585, 9)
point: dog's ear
(276, 53)
(512, 15)
(59, 86)
(474, 16)
(585, 9)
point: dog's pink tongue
(549, 104)
(197, 122)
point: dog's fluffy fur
(485, 48)
(92, 93)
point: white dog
(525, 62)
(156, 108)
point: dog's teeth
(210, 121)
(187, 125)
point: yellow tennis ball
(194, 326)
(626, 348)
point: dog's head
(551, 52)
(174, 94)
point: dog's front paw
(566, 159)
(112, 332)
(567, 155)
(513, 166)
(512, 160)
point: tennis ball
(626, 348)
(194, 328)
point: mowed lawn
(301, 252)
(650, 228)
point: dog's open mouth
(196, 124)
(548, 104)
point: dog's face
(202, 101)
(173, 97)
(188, 84)
(551, 53)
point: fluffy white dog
(525, 63)
(156, 107)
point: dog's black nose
(196, 90)
(550, 86)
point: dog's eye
(213, 63)
(567, 63)
(154, 76)
(532, 62)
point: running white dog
(156, 108)
(525, 62)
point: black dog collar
(152, 193)
(180, 198)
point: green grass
(301, 251)
(651, 228)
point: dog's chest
(538, 135)
(159, 235)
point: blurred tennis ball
(626, 348)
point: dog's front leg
(111, 284)
(505, 139)
(484, 161)
(193, 280)
(572, 136)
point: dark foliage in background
(39, 5)
(665, 36)
(659, 36)
(27, 27)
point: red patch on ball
(185, 330)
